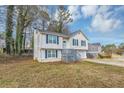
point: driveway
(114, 63)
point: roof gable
(63, 35)
(53, 33)
(76, 32)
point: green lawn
(26, 73)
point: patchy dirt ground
(23, 72)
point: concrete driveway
(117, 62)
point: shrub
(104, 55)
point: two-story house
(93, 50)
(54, 47)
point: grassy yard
(26, 73)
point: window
(51, 53)
(83, 43)
(75, 42)
(49, 38)
(52, 39)
(48, 53)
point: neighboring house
(2, 44)
(93, 50)
(54, 47)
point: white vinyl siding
(83, 43)
(48, 47)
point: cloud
(89, 10)
(101, 23)
(103, 18)
(75, 12)
(121, 8)
(103, 9)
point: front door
(64, 44)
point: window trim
(51, 54)
(75, 42)
(83, 42)
(52, 39)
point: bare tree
(9, 29)
(27, 15)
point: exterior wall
(42, 58)
(82, 54)
(80, 37)
(67, 44)
(94, 48)
(36, 45)
(99, 49)
(43, 43)
(40, 45)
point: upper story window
(75, 42)
(52, 39)
(83, 43)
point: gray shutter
(57, 39)
(45, 53)
(46, 38)
(77, 42)
(73, 42)
(56, 53)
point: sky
(2, 18)
(103, 24)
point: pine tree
(62, 19)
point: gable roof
(61, 34)
(95, 44)
(78, 32)
(53, 33)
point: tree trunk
(19, 31)
(9, 29)
(24, 39)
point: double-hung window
(83, 43)
(75, 42)
(51, 53)
(49, 38)
(52, 39)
